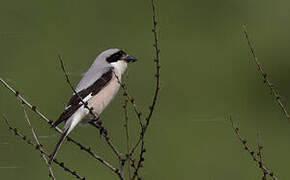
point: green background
(207, 75)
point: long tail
(68, 127)
(61, 139)
(70, 124)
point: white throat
(120, 67)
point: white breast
(100, 101)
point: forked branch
(51, 175)
(155, 96)
(40, 148)
(256, 157)
(136, 164)
(43, 117)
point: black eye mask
(116, 56)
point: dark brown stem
(130, 99)
(260, 155)
(127, 132)
(155, 96)
(265, 76)
(35, 109)
(40, 148)
(252, 153)
(51, 175)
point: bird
(97, 88)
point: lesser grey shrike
(97, 88)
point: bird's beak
(129, 59)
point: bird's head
(117, 58)
(116, 55)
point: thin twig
(96, 122)
(157, 76)
(243, 141)
(156, 92)
(138, 113)
(130, 99)
(32, 107)
(40, 149)
(126, 117)
(51, 175)
(132, 163)
(157, 65)
(35, 109)
(260, 155)
(140, 161)
(265, 76)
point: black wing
(75, 102)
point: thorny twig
(260, 164)
(264, 75)
(40, 149)
(51, 175)
(96, 122)
(35, 109)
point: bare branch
(140, 161)
(156, 92)
(127, 132)
(51, 175)
(40, 149)
(264, 75)
(32, 107)
(260, 155)
(35, 109)
(130, 99)
(136, 172)
(157, 66)
(135, 164)
(252, 153)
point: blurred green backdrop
(207, 74)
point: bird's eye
(115, 57)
